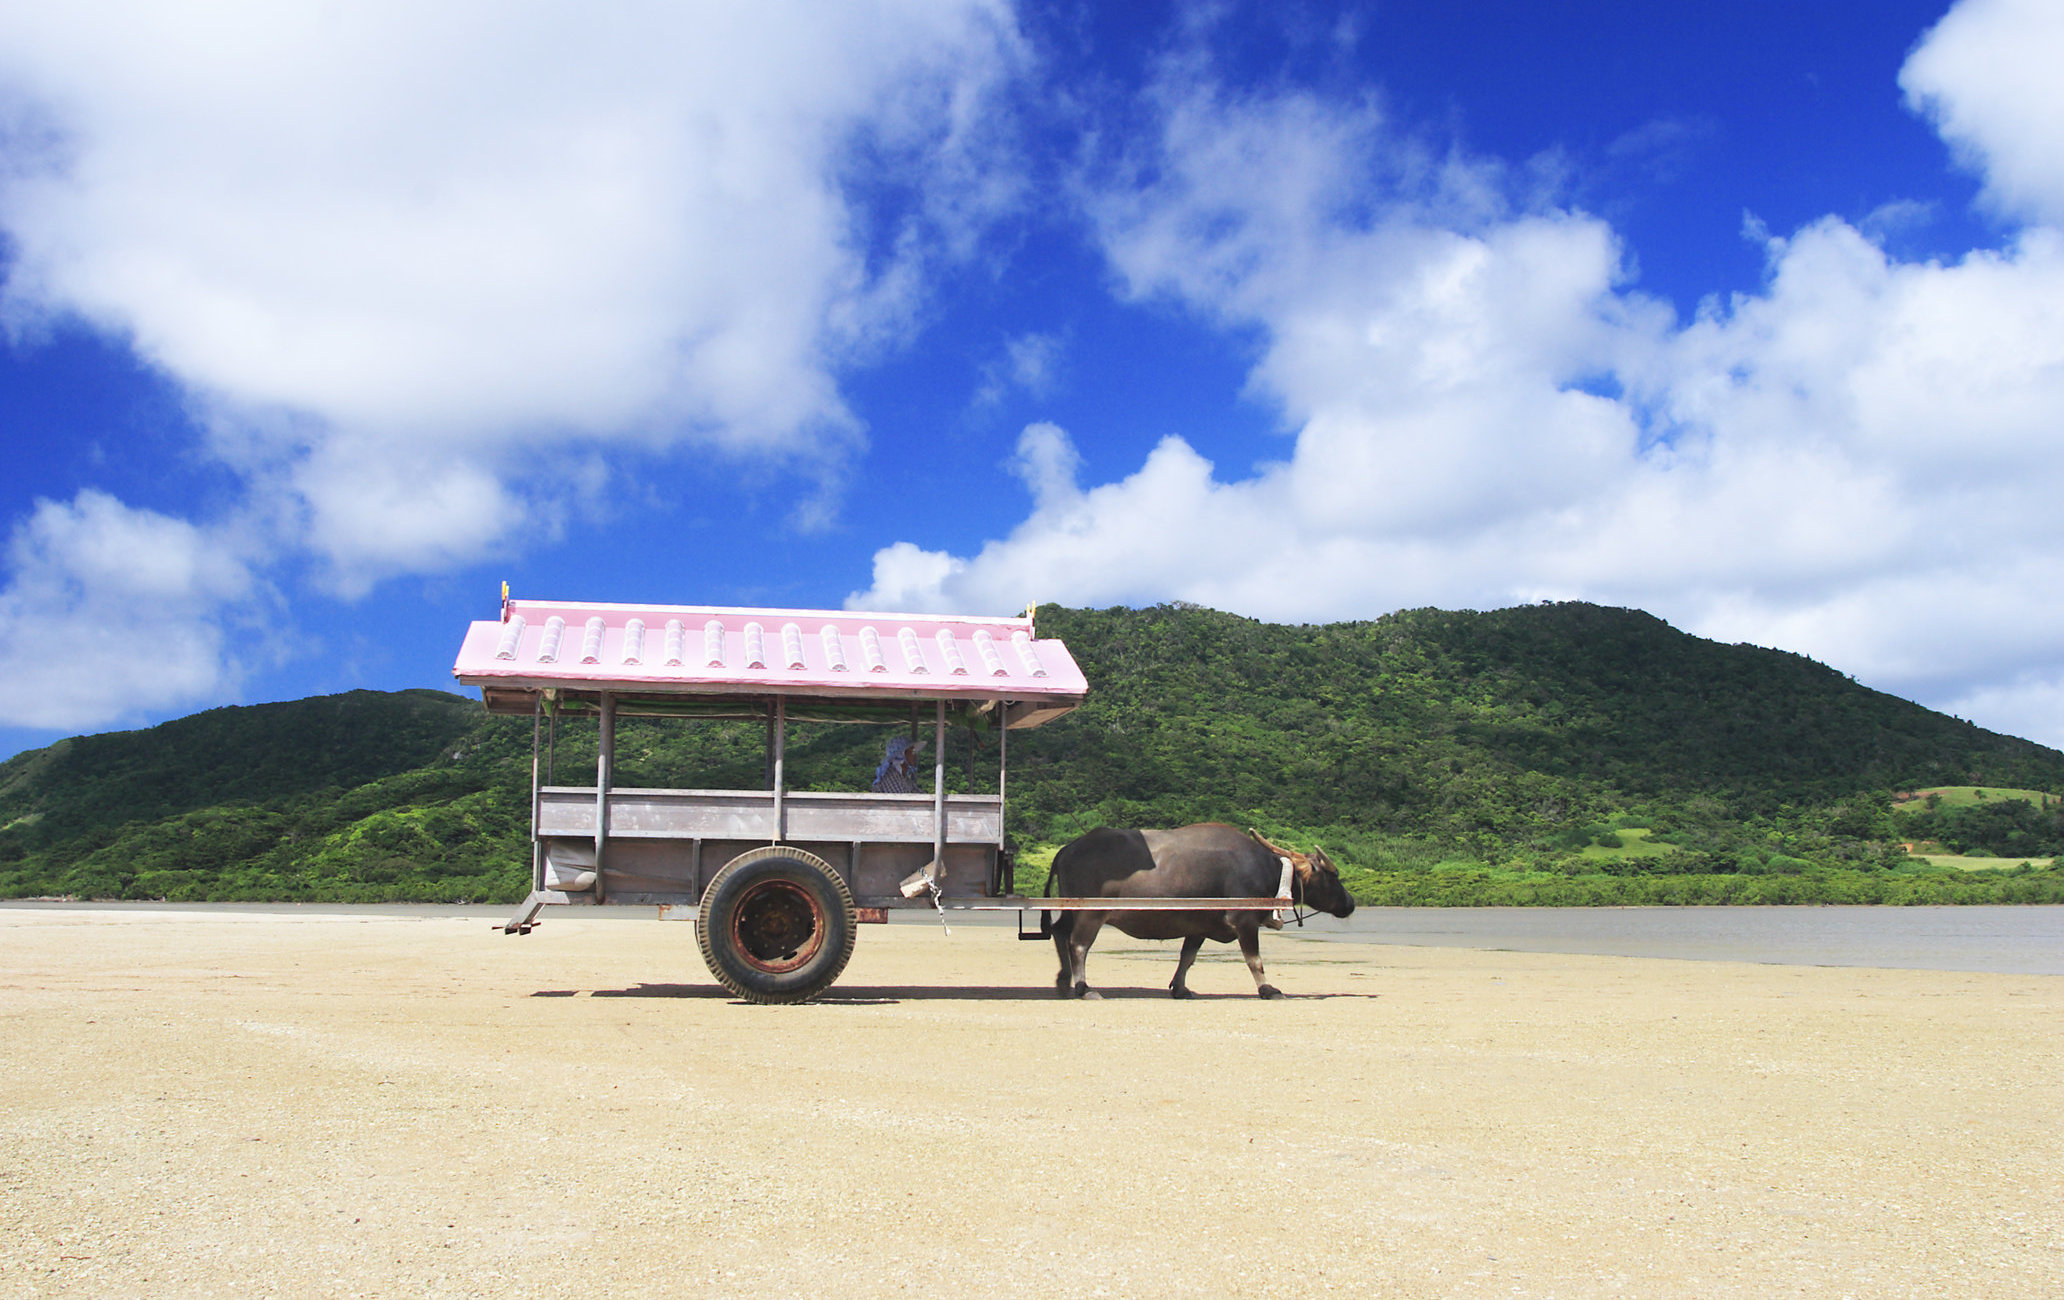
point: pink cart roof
(651, 650)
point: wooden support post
(939, 797)
(780, 772)
(1005, 882)
(551, 735)
(605, 764)
(537, 850)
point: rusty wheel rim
(778, 926)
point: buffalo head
(1319, 884)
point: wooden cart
(776, 880)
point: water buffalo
(1207, 860)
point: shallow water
(2007, 940)
(2004, 940)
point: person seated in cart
(893, 775)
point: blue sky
(322, 322)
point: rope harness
(1292, 884)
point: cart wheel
(776, 925)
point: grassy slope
(1962, 796)
(1634, 842)
(1963, 862)
(1444, 756)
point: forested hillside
(1550, 753)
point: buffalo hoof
(1178, 991)
(1269, 991)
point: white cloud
(1987, 77)
(1409, 335)
(1860, 462)
(1029, 363)
(907, 578)
(110, 611)
(397, 251)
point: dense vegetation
(1545, 754)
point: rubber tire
(787, 878)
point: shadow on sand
(876, 996)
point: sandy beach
(329, 1104)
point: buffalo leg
(1081, 935)
(1180, 988)
(1063, 929)
(1250, 948)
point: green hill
(1550, 753)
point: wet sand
(325, 1104)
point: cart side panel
(812, 817)
(892, 818)
(970, 873)
(665, 814)
(650, 869)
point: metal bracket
(524, 919)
